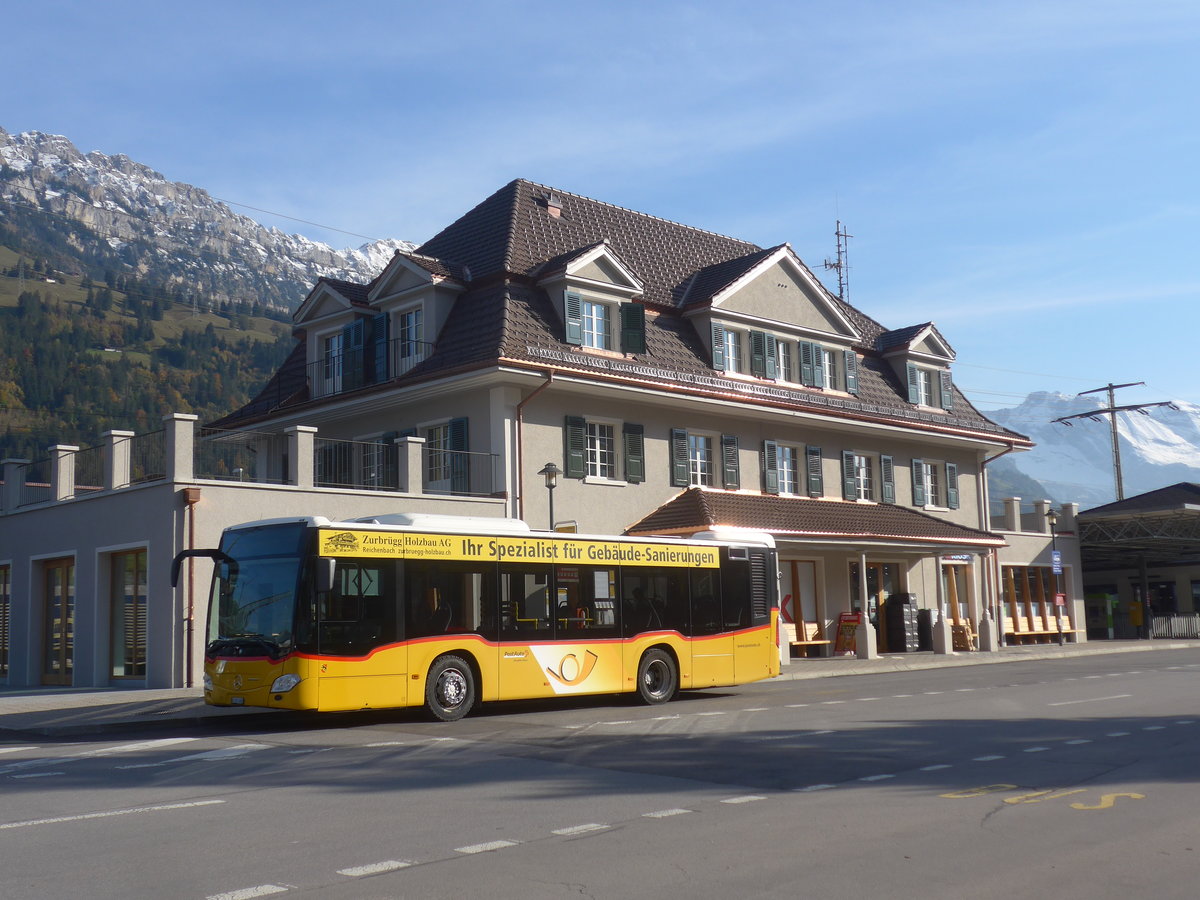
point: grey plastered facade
(658, 367)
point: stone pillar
(943, 635)
(412, 478)
(62, 472)
(14, 480)
(180, 431)
(300, 449)
(1041, 525)
(1012, 513)
(865, 642)
(116, 459)
(1068, 517)
(988, 642)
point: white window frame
(791, 467)
(832, 364)
(735, 359)
(333, 356)
(925, 386)
(595, 322)
(593, 452)
(438, 472)
(786, 360)
(933, 480)
(865, 481)
(701, 471)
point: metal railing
(352, 369)
(1179, 625)
(148, 457)
(35, 482)
(358, 465)
(89, 470)
(223, 455)
(459, 472)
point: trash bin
(901, 615)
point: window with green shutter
(918, 482)
(573, 314)
(887, 479)
(946, 390)
(730, 469)
(816, 479)
(635, 452)
(851, 364)
(679, 458)
(770, 467)
(952, 485)
(718, 346)
(633, 328)
(574, 447)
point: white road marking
(579, 829)
(862, 699)
(397, 743)
(37, 774)
(933, 693)
(140, 745)
(1035, 749)
(1090, 700)
(986, 758)
(963, 690)
(795, 705)
(1186, 722)
(831, 702)
(235, 752)
(715, 713)
(15, 749)
(814, 787)
(108, 814)
(826, 731)
(619, 722)
(935, 768)
(1154, 728)
(388, 865)
(665, 813)
(262, 890)
(876, 777)
(663, 718)
(1079, 741)
(899, 696)
(755, 709)
(749, 798)
(1118, 734)
(486, 848)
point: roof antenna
(841, 264)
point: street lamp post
(550, 472)
(1056, 568)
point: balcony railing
(89, 470)
(35, 487)
(148, 457)
(238, 455)
(356, 465)
(352, 369)
(459, 472)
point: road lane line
(986, 758)
(388, 865)
(755, 709)
(486, 848)
(749, 798)
(37, 775)
(1154, 728)
(387, 744)
(15, 749)
(579, 829)
(814, 787)
(1090, 700)
(262, 890)
(876, 777)
(108, 814)
(935, 768)
(1079, 741)
(665, 813)
(1035, 749)
(1118, 734)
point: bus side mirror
(325, 572)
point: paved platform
(27, 713)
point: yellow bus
(447, 612)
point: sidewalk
(61, 712)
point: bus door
(360, 664)
(750, 581)
(712, 643)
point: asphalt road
(1068, 778)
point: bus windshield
(253, 601)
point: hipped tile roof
(697, 509)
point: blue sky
(1022, 173)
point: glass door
(58, 647)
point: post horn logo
(570, 671)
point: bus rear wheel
(450, 688)
(658, 680)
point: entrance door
(58, 648)
(882, 582)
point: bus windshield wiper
(251, 640)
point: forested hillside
(81, 354)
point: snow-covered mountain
(112, 211)
(1158, 448)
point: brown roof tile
(697, 509)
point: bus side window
(525, 602)
(359, 614)
(706, 602)
(653, 600)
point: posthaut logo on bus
(571, 671)
(346, 540)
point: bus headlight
(207, 683)
(284, 683)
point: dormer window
(930, 387)
(594, 325)
(589, 323)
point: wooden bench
(811, 641)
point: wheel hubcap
(452, 688)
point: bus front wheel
(658, 679)
(450, 688)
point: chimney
(554, 205)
